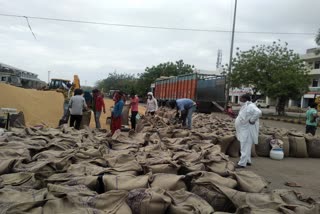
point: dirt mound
(43, 107)
(39, 107)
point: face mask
(150, 98)
(242, 103)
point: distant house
(312, 60)
(18, 77)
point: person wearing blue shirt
(116, 117)
(186, 107)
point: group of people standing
(85, 101)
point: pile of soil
(43, 107)
(39, 107)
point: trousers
(97, 115)
(133, 119)
(75, 121)
(245, 150)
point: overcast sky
(92, 51)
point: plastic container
(277, 154)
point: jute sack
(12, 196)
(208, 178)
(146, 201)
(214, 197)
(15, 179)
(313, 146)
(111, 202)
(86, 117)
(298, 147)
(178, 133)
(184, 202)
(123, 163)
(168, 181)
(224, 142)
(299, 204)
(6, 166)
(249, 181)
(26, 207)
(257, 211)
(223, 167)
(270, 200)
(191, 167)
(125, 182)
(234, 149)
(162, 168)
(263, 147)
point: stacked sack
(161, 169)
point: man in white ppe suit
(247, 129)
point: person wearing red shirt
(134, 110)
(98, 107)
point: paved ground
(303, 171)
(278, 124)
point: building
(18, 77)
(312, 60)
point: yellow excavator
(62, 83)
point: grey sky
(92, 51)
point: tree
(317, 39)
(163, 69)
(273, 70)
(118, 81)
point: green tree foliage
(118, 81)
(274, 70)
(163, 69)
(317, 39)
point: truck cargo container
(207, 90)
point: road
(272, 111)
(303, 171)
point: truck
(207, 90)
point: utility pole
(49, 72)
(219, 59)
(231, 53)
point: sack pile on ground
(161, 169)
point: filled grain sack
(122, 163)
(184, 202)
(223, 167)
(125, 182)
(146, 201)
(234, 149)
(210, 178)
(214, 197)
(249, 181)
(86, 118)
(263, 147)
(73, 202)
(313, 146)
(271, 200)
(162, 168)
(286, 145)
(225, 141)
(298, 146)
(180, 133)
(168, 181)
